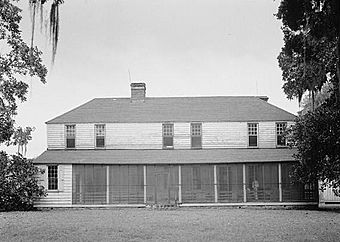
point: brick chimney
(138, 91)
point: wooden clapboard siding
(267, 135)
(182, 136)
(224, 135)
(328, 196)
(62, 197)
(55, 136)
(134, 136)
(85, 136)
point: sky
(177, 47)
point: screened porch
(187, 184)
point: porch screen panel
(126, 184)
(136, 184)
(198, 183)
(262, 182)
(296, 192)
(89, 184)
(230, 183)
(162, 184)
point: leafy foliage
(310, 55)
(21, 137)
(317, 136)
(18, 183)
(310, 60)
(17, 59)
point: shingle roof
(175, 109)
(164, 156)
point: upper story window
(52, 174)
(196, 135)
(252, 134)
(168, 136)
(100, 135)
(70, 136)
(280, 129)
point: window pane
(168, 142)
(53, 177)
(280, 129)
(100, 142)
(196, 142)
(252, 129)
(100, 130)
(196, 129)
(70, 130)
(70, 136)
(253, 141)
(70, 143)
(168, 129)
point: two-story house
(170, 150)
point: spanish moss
(36, 7)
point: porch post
(144, 182)
(179, 184)
(280, 183)
(244, 184)
(215, 184)
(107, 184)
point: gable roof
(175, 109)
(164, 156)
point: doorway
(162, 184)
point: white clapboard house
(135, 151)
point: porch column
(179, 184)
(280, 183)
(244, 184)
(107, 184)
(144, 182)
(215, 184)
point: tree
(18, 183)
(309, 59)
(21, 137)
(317, 138)
(17, 59)
(310, 55)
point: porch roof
(164, 156)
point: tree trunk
(337, 92)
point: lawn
(181, 224)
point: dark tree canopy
(317, 136)
(18, 183)
(310, 61)
(17, 60)
(310, 55)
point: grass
(182, 224)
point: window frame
(96, 136)
(68, 137)
(192, 135)
(277, 134)
(251, 135)
(165, 135)
(53, 186)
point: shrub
(18, 183)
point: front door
(162, 187)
